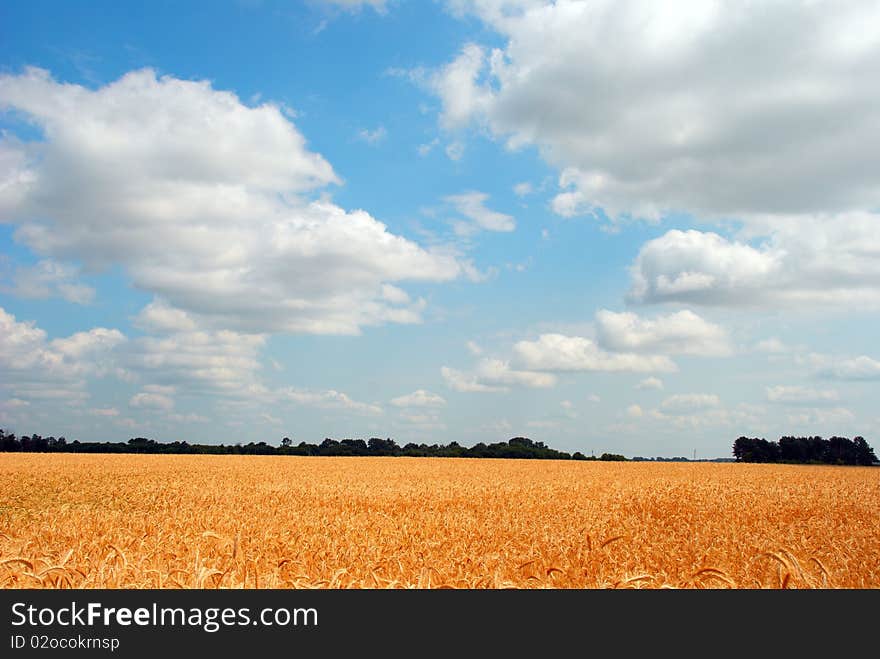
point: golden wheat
(143, 521)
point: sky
(612, 226)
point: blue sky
(609, 226)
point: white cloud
(557, 352)
(844, 368)
(210, 216)
(800, 395)
(419, 398)
(88, 344)
(157, 316)
(686, 403)
(523, 189)
(394, 295)
(465, 382)
(48, 278)
(721, 108)
(495, 375)
(216, 362)
(457, 86)
(372, 137)
(593, 398)
(693, 266)
(650, 383)
(149, 400)
(455, 150)
(329, 399)
(198, 363)
(634, 412)
(806, 261)
(683, 332)
(472, 206)
(31, 366)
(474, 348)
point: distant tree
(286, 442)
(864, 453)
(380, 446)
(811, 450)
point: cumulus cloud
(473, 206)
(650, 383)
(683, 332)
(800, 395)
(495, 375)
(87, 345)
(32, 366)
(175, 359)
(419, 398)
(152, 400)
(807, 261)
(558, 352)
(48, 278)
(217, 362)
(701, 267)
(329, 399)
(843, 368)
(721, 108)
(465, 382)
(634, 412)
(204, 202)
(157, 316)
(457, 86)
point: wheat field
(149, 521)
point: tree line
(517, 447)
(805, 450)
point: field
(147, 521)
